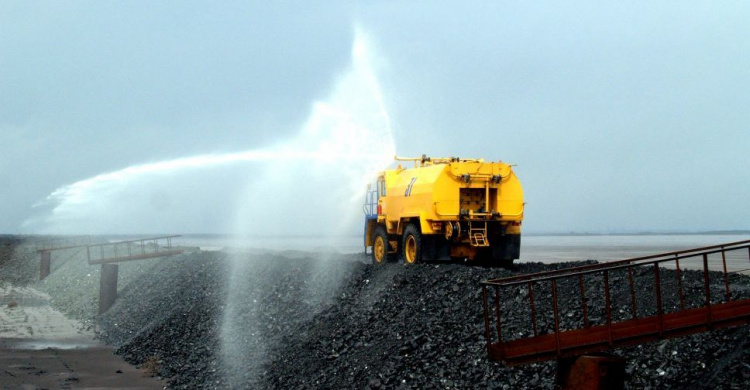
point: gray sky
(629, 117)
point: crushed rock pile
(303, 320)
(73, 284)
(368, 327)
(19, 261)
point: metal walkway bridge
(576, 311)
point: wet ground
(41, 348)
(68, 368)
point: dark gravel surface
(299, 320)
(19, 261)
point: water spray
(350, 131)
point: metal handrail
(140, 253)
(371, 203)
(136, 240)
(610, 264)
(621, 332)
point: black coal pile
(305, 320)
(213, 319)
(218, 320)
(173, 314)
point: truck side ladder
(478, 235)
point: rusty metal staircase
(564, 322)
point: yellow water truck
(445, 208)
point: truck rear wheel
(379, 246)
(412, 244)
(505, 249)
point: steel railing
(552, 311)
(370, 207)
(144, 248)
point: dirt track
(54, 368)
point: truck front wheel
(379, 246)
(412, 244)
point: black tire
(380, 246)
(505, 249)
(412, 244)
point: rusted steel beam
(590, 372)
(625, 333)
(614, 334)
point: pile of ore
(275, 321)
(304, 320)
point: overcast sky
(620, 118)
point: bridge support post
(45, 264)
(591, 372)
(107, 287)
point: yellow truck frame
(445, 208)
